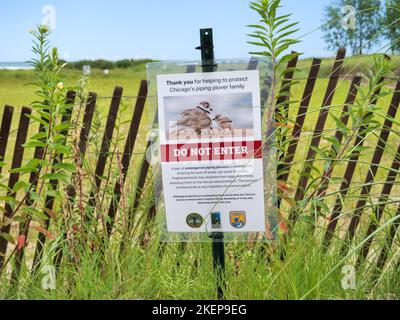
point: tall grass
(142, 273)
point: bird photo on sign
(202, 116)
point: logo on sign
(237, 219)
(216, 220)
(194, 220)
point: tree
(352, 23)
(391, 23)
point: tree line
(362, 24)
(106, 64)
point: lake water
(14, 66)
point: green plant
(314, 207)
(47, 171)
(363, 123)
(274, 35)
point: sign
(211, 151)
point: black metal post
(218, 252)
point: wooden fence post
(126, 158)
(317, 135)
(14, 176)
(104, 149)
(348, 176)
(82, 144)
(373, 168)
(49, 201)
(5, 131)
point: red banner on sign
(209, 151)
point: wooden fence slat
(105, 145)
(82, 143)
(87, 122)
(386, 249)
(265, 91)
(373, 168)
(379, 210)
(141, 181)
(126, 158)
(191, 68)
(281, 114)
(14, 176)
(84, 134)
(108, 133)
(144, 170)
(5, 131)
(23, 226)
(305, 102)
(350, 99)
(253, 63)
(284, 93)
(139, 193)
(49, 202)
(348, 176)
(317, 135)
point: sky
(157, 29)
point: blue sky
(159, 29)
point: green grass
(352, 65)
(15, 91)
(251, 273)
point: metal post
(208, 65)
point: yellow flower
(60, 86)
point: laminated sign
(211, 151)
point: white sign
(211, 151)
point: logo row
(237, 220)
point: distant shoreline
(15, 66)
